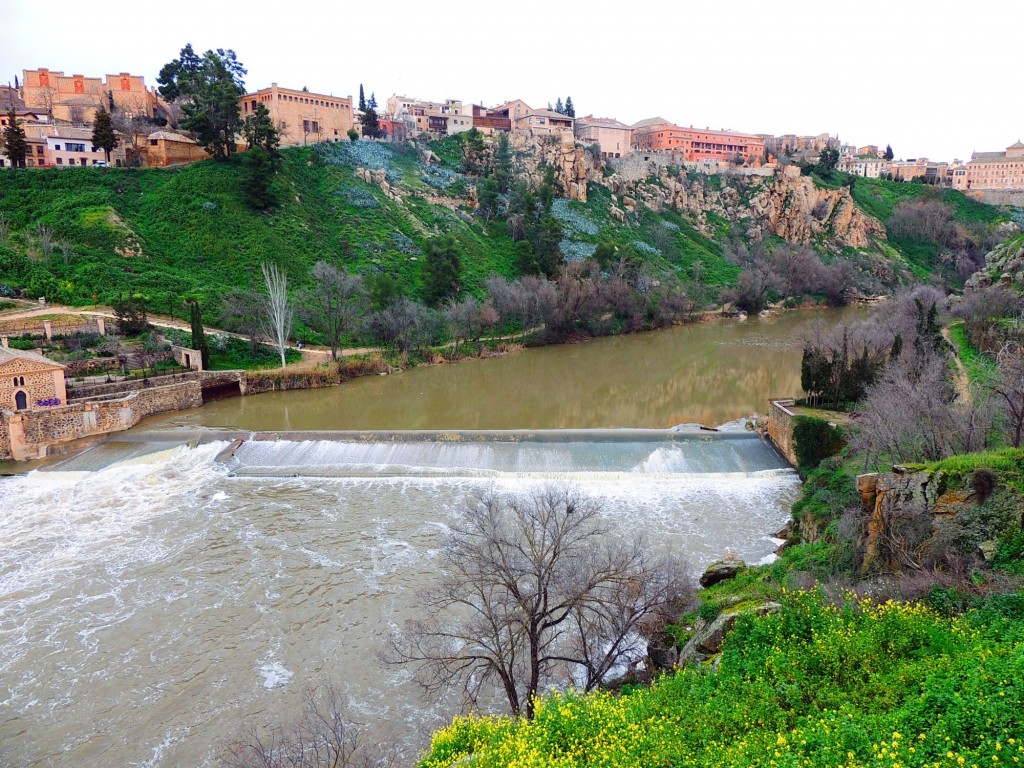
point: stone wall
(79, 392)
(640, 165)
(780, 428)
(29, 434)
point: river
(155, 602)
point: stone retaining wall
(29, 434)
(780, 428)
(639, 165)
(85, 391)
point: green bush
(861, 684)
(814, 440)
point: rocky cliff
(917, 519)
(792, 208)
(1004, 264)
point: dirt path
(961, 381)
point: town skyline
(789, 75)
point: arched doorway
(20, 400)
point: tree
(198, 332)
(442, 269)
(130, 314)
(1008, 386)
(15, 143)
(536, 591)
(362, 99)
(335, 303)
(277, 313)
(888, 152)
(131, 121)
(353, 134)
(242, 312)
(259, 130)
(103, 134)
(828, 160)
(559, 108)
(570, 110)
(208, 89)
(487, 199)
(259, 165)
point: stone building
(164, 148)
(691, 144)
(302, 117)
(614, 138)
(991, 170)
(75, 98)
(523, 117)
(28, 380)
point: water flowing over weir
(163, 591)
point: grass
(859, 684)
(229, 353)
(979, 367)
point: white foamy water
(152, 610)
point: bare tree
(1008, 387)
(324, 738)
(335, 303)
(242, 312)
(469, 319)
(46, 242)
(5, 225)
(535, 591)
(131, 121)
(276, 322)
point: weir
(594, 454)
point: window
(39, 150)
(60, 161)
(83, 161)
(57, 147)
(153, 142)
(74, 147)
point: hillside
(87, 235)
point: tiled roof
(651, 121)
(169, 136)
(7, 354)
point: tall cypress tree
(199, 333)
(570, 110)
(14, 142)
(362, 99)
(103, 134)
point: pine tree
(259, 130)
(103, 134)
(570, 110)
(362, 99)
(888, 152)
(14, 142)
(372, 103)
(441, 270)
(558, 106)
(199, 333)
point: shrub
(814, 440)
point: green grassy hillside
(87, 235)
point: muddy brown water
(159, 603)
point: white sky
(935, 78)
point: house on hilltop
(28, 380)
(614, 138)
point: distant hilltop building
(302, 117)
(657, 134)
(75, 98)
(992, 170)
(614, 138)
(413, 117)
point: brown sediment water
(156, 602)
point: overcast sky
(935, 78)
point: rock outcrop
(721, 570)
(573, 165)
(1003, 264)
(709, 636)
(916, 518)
(792, 208)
